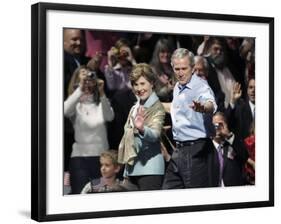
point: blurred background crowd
(227, 64)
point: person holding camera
(89, 110)
(119, 66)
(230, 154)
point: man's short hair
(181, 53)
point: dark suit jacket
(213, 82)
(240, 118)
(69, 67)
(235, 157)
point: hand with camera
(223, 129)
(88, 85)
(112, 56)
(126, 54)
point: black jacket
(235, 156)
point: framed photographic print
(107, 43)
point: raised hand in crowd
(126, 53)
(236, 93)
(95, 62)
(112, 56)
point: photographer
(230, 155)
(120, 64)
(89, 110)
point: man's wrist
(208, 107)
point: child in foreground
(109, 181)
(109, 169)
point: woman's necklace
(85, 101)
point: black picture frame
(39, 110)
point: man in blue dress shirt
(191, 111)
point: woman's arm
(109, 74)
(71, 102)
(106, 109)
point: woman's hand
(126, 52)
(139, 120)
(112, 56)
(95, 61)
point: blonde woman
(140, 148)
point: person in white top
(89, 110)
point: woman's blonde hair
(74, 81)
(142, 70)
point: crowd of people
(143, 112)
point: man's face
(182, 69)
(200, 70)
(217, 54)
(216, 49)
(73, 42)
(251, 90)
(219, 124)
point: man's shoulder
(199, 83)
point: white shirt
(253, 107)
(226, 81)
(89, 124)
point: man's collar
(251, 104)
(187, 85)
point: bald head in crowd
(73, 41)
(201, 67)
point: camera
(92, 74)
(123, 54)
(217, 126)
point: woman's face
(164, 57)
(89, 85)
(142, 88)
(83, 74)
